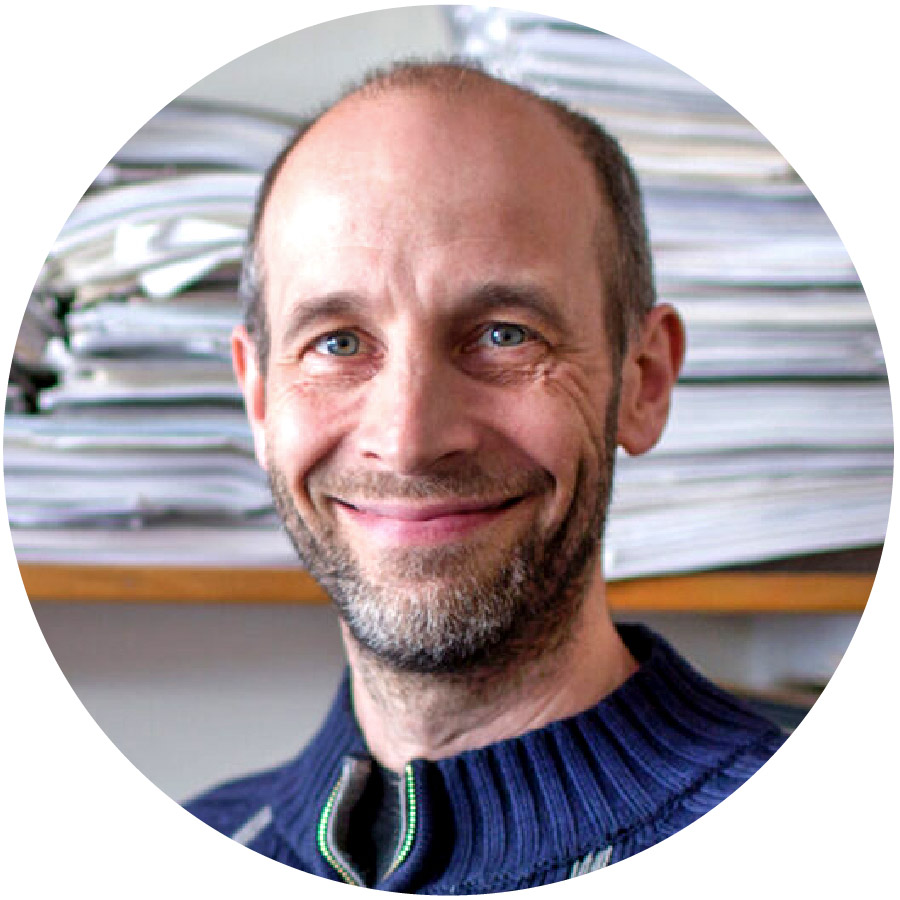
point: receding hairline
(447, 81)
(442, 81)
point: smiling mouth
(409, 512)
(393, 522)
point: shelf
(726, 592)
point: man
(451, 326)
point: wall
(295, 74)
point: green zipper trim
(409, 834)
(322, 837)
(409, 830)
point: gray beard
(487, 621)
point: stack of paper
(29, 372)
(124, 469)
(157, 237)
(189, 135)
(780, 440)
(141, 351)
(144, 426)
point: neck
(406, 716)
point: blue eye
(506, 335)
(339, 343)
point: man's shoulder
(696, 743)
(714, 739)
(290, 792)
(230, 804)
(726, 777)
(716, 785)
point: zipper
(408, 823)
(325, 836)
(408, 817)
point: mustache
(467, 483)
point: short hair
(627, 275)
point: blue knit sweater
(565, 799)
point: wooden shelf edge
(169, 584)
(710, 592)
(745, 592)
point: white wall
(194, 694)
(295, 74)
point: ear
(253, 385)
(649, 371)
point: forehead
(411, 177)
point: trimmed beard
(425, 622)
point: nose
(416, 414)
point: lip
(418, 512)
(404, 523)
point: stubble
(466, 608)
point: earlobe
(649, 373)
(253, 387)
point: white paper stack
(128, 465)
(29, 372)
(141, 351)
(144, 429)
(156, 237)
(780, 439)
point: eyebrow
(312, 309)
(496, 295)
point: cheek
(303, 426)
(560, 423)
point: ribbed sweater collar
(546, 796)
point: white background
(818, 81)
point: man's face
(439, 413)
